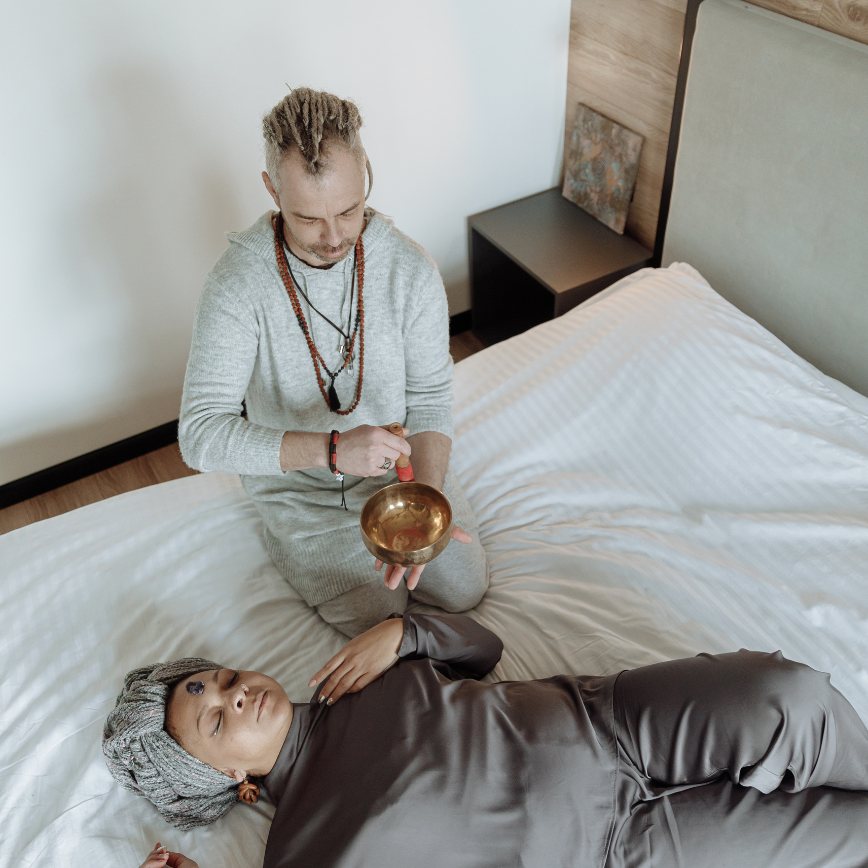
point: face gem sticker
(195, 687)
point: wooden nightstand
(536, 258)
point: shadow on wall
(139, 245)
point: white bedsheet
(654, 475)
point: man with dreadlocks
(404, 757)
(328, 324)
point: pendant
(334, 403)
(352, 360)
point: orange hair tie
(248, 792)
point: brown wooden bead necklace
(329, 394)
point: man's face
(323, 216)
(238, 723)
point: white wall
(131, 142)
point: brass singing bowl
(406, 524)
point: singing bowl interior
(407, 524)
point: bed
(654, 473)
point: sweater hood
(259, 238)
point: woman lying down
(404, 758)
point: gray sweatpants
(743, 759)
(455, 581)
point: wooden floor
(464, 345)
(158, 466)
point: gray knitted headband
(144, 758)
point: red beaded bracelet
(333, 456)
(333, 450)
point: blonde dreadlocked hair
(310, 120)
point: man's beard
(316, 250)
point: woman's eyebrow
(204, 707)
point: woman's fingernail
(312, 682)
(321, 698)
(330, 701)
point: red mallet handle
(405, 474)
(402, 465)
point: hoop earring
(370, 172)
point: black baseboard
(87, 464)
(461, 322)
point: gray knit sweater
(248, 345)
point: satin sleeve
(469, 648)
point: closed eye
(220, 716)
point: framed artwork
(601, 167)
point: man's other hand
(394, 574)
(360, 661)
(362, 451)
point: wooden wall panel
(847, 17)
(623, 63)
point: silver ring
(387, 463)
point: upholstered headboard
(767, 180)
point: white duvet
(654, 475)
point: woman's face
(237, 724)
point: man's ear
(370, 173)
(270, 187)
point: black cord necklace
(346, 336)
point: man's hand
(360, 661)
(363, 450)
(160, 857)
(394, 573)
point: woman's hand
(362, 451)
(160, 857)
(360, 661)
(394, 573)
